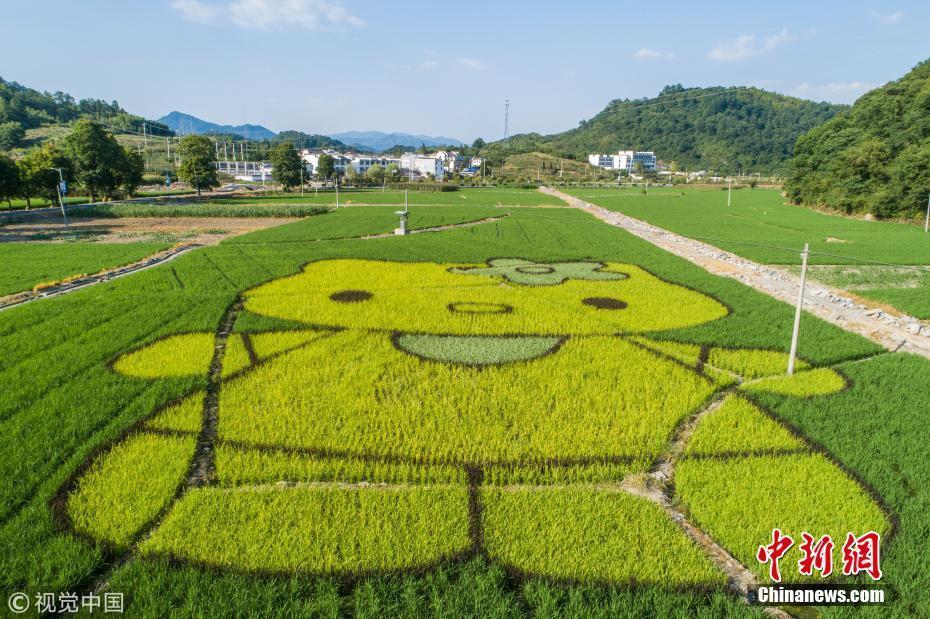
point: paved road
(903, 333)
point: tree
(288, 166)
(97, 157)
(11, 135)
(391, 171)
(375, 174)
(37, 178)
(198, 161)
(639, 168)
(422, 150)
(351, 173)
(9, 180)
(325, 167)
(132, 171)
(478, 144)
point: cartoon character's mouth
(470, 307)
(476, 350)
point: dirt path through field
(852, 314)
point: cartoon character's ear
(804, 384)
(188, 354)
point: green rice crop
(877, 428)
(762, 227)
(751, 364)
(129, 486)
(179, 355)
(441, 413)
(738, 501)
(207, 208)
(60, 402)
(236, 467)
(270, 344)
(236, 356)
(819, 381)
(682, 351)
(739, 426)
(759, 221)
(29, 264)
(185, 416)
(316, 529)
(429, 305)
(591, 535)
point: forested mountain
(872, 158)
(23, 108)
(722, 129)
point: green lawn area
(63, 402)
(759, 225)
(28, 264)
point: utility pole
(336, 183)
(61, 200)
(797, 313)
(927, 221)
(506, 118)
(729, 192)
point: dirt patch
(833, 239)
(199, 230)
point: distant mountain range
(363, 140)
(378, 140)
(185, 123)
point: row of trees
(90, 156)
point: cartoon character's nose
(472, 307)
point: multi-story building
(625, 160)
(422, 165)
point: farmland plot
(452, 415)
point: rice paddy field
(887, 262)
(302, 421)
(26, 265)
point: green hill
(722, 129)
(22, 109)
(872, 158)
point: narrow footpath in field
(892, 332)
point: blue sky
(445, 68)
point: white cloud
(269, 14)
(429, 64)
(194, 10)
(471, 63)
(747, 45)
(837, 92)
(888, 19)
(644, 53)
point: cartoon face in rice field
(369, 416)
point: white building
(361, 163)
(311, 157)
(422, 165)
(250, 171)
(625, 160)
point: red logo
(773, 552)
(860, 554)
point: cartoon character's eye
(351, 296)
(605, 303)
